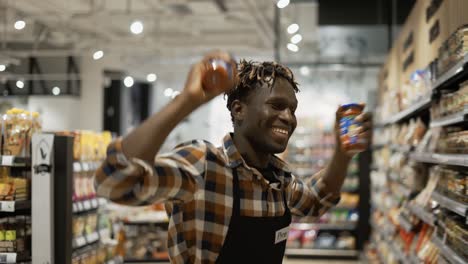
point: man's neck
(248, 153)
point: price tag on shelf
(79, 206)
(8, 257)
(7, 206)
(7, 160)
(80, 241)
(94, 203)
(76, 167)
(85, 166)
(75, 207)
(87, 205)
(93, 237)
(111, 261)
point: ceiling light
(151, 77)
(56, 90)
(305, 70)
(20, 84)
(296, 39)
(282, 3)
(175, 94)
(128, 82)
(20, 24)
(293, 47)
(293, 28)
(98, 55)
(168, 92)
(2, 67)
(136, 27)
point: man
(230, 204)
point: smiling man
(231, 204)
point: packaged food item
(308, 238)
(219, 75)
(349, 129)
(16, 131)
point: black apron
(252, 239)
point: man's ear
(238, 110)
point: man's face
(270, 120)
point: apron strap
(236, 193)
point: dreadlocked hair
(252, 75)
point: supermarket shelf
(405, 224)
(117, 260)
(422, 214)
(446, 251)
(85, 240)
(13, 206)
(157, 223)
(422, 104)
(302, 252)
(451, 119)
(452, 75)
(14, 161)
(85, 206)
(401, 257)
(325, 226)
(452, 205)
(444, 159)
(404, 148)
(13, 257)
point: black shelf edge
(321, 252)
(14, 161)
(14, 206)
(452, 119)
(446, 251)
(157, 223)
(422, 214)
(422, 104)
(325, 226)
(452, 205)
(456, 70)
(444, 159)
(400, 148)
(14, 257)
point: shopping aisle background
(76, 65)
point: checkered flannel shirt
(195, 182)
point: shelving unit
(434, 163)
(452, 205)
(447, 252)
(453, 119)
(423, 214)
(332, 224)
(442, 159)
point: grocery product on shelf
(453, 50)
(18, 126)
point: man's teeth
(279, 130)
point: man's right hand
(193, 89)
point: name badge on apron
(281, 235)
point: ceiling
(174, 30)
(171, 27)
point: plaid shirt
(195, 182)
